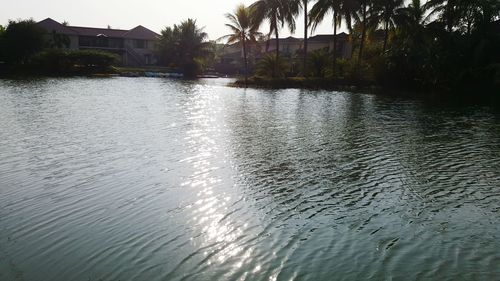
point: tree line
(439, 44)
(27, 49)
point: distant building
(232, 56)
(344, 45)
(135, 47)
(289, 46)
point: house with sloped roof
(231, 59)
(135, 46)
(288, 46)
(343, 48)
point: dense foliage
(64, 62)
(277, 13)
(184, 46)
(26, 49)
(20, 41)
(439, 44)
(272, 66)
(244, 31)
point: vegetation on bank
(438, 45)
(185, 47)
(313, 83)
(26, 50)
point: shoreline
(484, 95)
(318, 84)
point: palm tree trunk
(268, 41)
(386, 35)
(277, 51)
(363, 35)
(305, 37)
(334, 41)
(245, 61)
(277, 42)
(449, 16)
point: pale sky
(126, 14)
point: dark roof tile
(327, 37)
(139, 32)
(52, 25)
(91, 31)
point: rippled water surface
(150, 179)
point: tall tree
(411, 19)
(384, 12)
(277, 13)
(318, 13)
(183, 46)
(444, 9)
(477, 14)
(363, 9)
(2, 47)
(303, 5)
(21, 40)
(243, 31)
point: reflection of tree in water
(313, 154)
(453, 154)
(297, 149)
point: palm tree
(318, 13)
(363, 9)
(454, 12)
(244, 31)
(447, 10)
(411, 19)
(183, 45)
(272, 66)
(302, 5)
(277, 13)
(318, 62)
(385, 11)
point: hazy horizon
(154, 14)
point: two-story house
(135, 46)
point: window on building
(140, 44)
(101, 41)
(84, 41)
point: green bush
(64, 62)
(20, 40)
(318, 63)
(271, 66)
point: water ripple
(150, 179)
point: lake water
(151, 179)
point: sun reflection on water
(210, 210)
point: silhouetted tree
(384, 13)
(244, 31)
(318, 62)
(183, 46)
(272, 66)
(318, 13)
(58, 41)
(21, 40)
(277, 13)
(2, 47)
(302, 5)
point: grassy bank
(306, 83)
